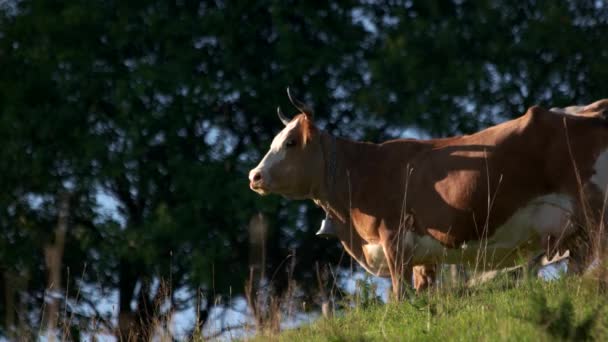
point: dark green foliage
(163, 106)
(456, 66)
(560, 321)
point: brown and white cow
(518, 189)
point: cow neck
(334, 196)
(329, 173)
(329, 156)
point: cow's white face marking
(600, 177)
(547, 215)
(277, 151)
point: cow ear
(301, 106)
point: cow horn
(282, 117)
(299, 104)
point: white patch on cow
(571, 110)
(277, 152)
(600, 177)
(375, 259)
(543, 216)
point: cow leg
(424, 276)
(355, 247)
(590, 240)
(401, 275)
(398, 261)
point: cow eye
(290, 143)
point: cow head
(293, 166)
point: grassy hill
(570, 308)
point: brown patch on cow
(443, 237)
(307, 128)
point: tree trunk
(126, 318)
(53, 254)
(9, 302)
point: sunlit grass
(571, 308)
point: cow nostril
(257, 177)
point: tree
(163, 107)
(453, 67)
(162, 115)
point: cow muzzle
(256, 182)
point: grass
(571, 308)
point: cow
(522, 188)
(424, 276)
